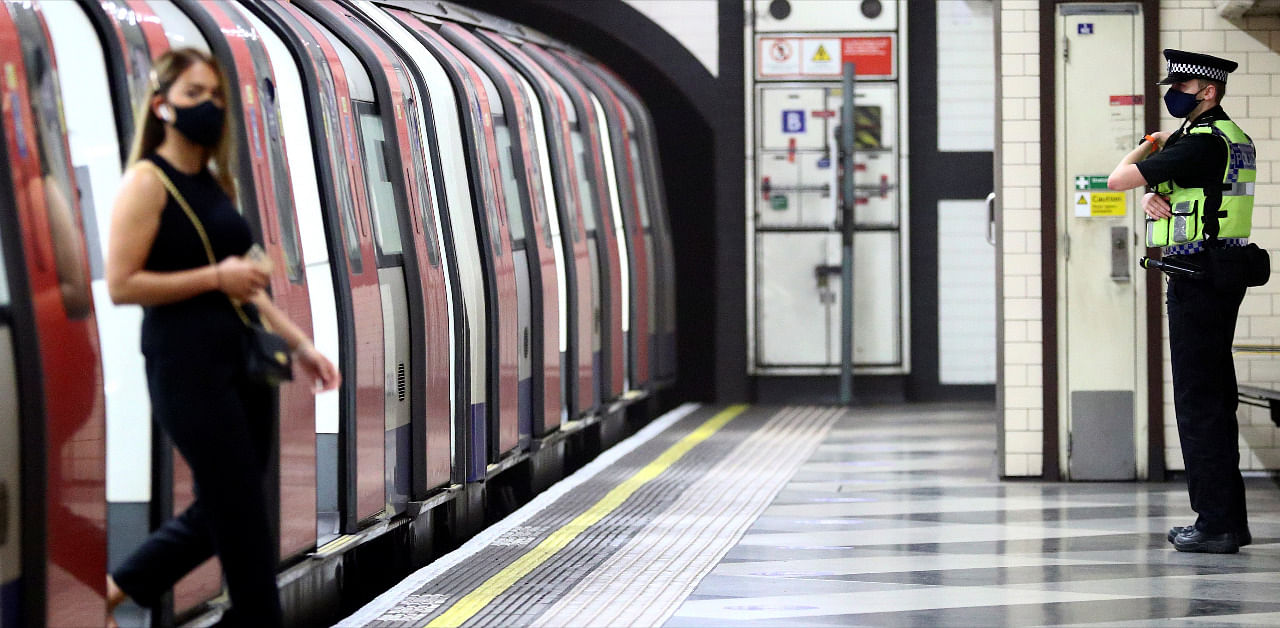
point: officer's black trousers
(1202, 322)
(222, 427)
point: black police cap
(1184, 66)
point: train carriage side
(634, 221)
(651, 215)
(350, 447)
(498, 434)
(579, 309)
(610, 325)
(530, 233)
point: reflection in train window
(4, 278)
(337, 160)
(426, 201)
(280, 182)
(55, 184)
(586, 191)
(639, 179)
(386, 225)
(510, 186)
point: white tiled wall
(1019, 151)
(1253, 100)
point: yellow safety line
(476, 600)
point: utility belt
(1232, 264)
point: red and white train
(467, 215)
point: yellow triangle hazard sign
(821, 55)
(1082, 200)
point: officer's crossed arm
(1127, 176)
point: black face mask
(200, 123)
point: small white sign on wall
(821, 57)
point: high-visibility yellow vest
(1234, 199)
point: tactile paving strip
(537, 591)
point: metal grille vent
(400, 382)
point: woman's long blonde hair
(149, 128)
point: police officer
(1202, 176)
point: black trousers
(222, 426)
(1202, 323)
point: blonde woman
(192, 340)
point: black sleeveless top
(207, 323)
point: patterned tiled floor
(886, 516)
(898, 520)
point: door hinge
(1066, 246)
(1066, 50)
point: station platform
(822, 516)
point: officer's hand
(1156, 206)
(1161, 137)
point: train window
(55, 185)
(289, 238)
(421, 166)
(586, 190)
(638, 181)
(382, 200)
(510, 186)
(4, 278)
(337, 160)
(178, 28)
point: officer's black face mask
(1180, 104)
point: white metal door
(1100, 117)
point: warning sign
(779, 56)
(786, 58)
(1106, 203)
(817, 57)
(1095, 204)
(1082, 205)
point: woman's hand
(318, 367)
(240, 278)
(1156, 206)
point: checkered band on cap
(1198, 70)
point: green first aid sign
(1091, 182)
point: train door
(502, 432)
(653, 201)
(66, 588)
(350, 447)
(577, 309)
(607, 280)
(632, 220)
(376, 497)
(422, 267)
(298, 439)
(95, 151)
(469, 452)
(530, 233)
(455, 230)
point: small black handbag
(267, 358)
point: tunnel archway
(699, 121)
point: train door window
(178, 28)
(642, 198)
(55, 185)
(386, 225)
(289, 237)
(422, 170)
(4, 281)
(586, 191)
(571, 117)
(332, 125)
(510, 186)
